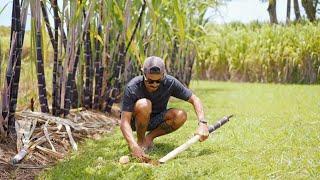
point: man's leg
(173, 120)
(142, 111)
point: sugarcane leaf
(118, 11)
(72, 142)
(4, 7)
(180, 20)
(50, 152)
(99, 38)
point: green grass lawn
(275, 134)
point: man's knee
(143, 107)
(176, 118)
(181, 116)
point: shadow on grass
(207, 151)
(161, 149)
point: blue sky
(250, 10)
(236, 10)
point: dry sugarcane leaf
(37, 135)
(52, 128)
(19, 136)
(28, 136)
(29, 166)
(83, 117)
(89, 114)
(34, 124)
(69, 123)
(30, 115)
(65, 143)
(38, 156)
(76, 110)
(24, 129)
(60, 134)
(78, 136)
(59, 126)
(2, 161)
(94, 117)
(37, 130)
(54, 154)
(76, 118)
(83, 124)
(93, 125)
(83, 132)
(38, 142)
(45, 117)
(61, 145)
(45, 130)
(72, 142)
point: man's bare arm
(127, 130)
(195, 101)
(202, 130)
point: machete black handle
(219, 123)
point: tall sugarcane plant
(103, 47)
(16, 64)
(97, 66)
(89, 69)
(36, 19)
(11, 84)
(55, 77)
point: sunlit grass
(274, 134)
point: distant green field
(258, 52)
(274, 134)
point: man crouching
(144, 108)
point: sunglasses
(150, 81)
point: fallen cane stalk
(193, 140)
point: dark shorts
(155, 121)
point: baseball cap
(153, 65)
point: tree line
(311, 7)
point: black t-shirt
(170, 86)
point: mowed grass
(274, 134)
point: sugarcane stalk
(74, 91)
(55, 86)
(57, 20)
(68, 73)
(9, 73)
(35, 13)
(193, 140)
(69, 60)
(105, 64)
(88, 78)
(46, 19)
(98, 78)
(18, 35)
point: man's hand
(126, 130)
(138, 153)
(202, 131)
